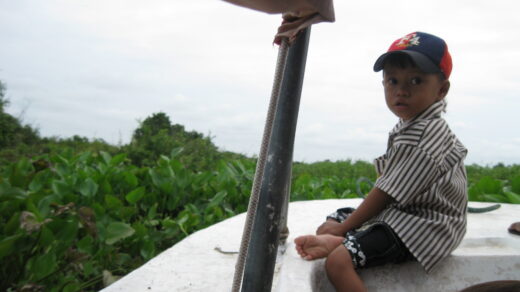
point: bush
(67, 220)
(157, 136)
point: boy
(417, 208)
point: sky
(96, 68)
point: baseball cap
(429, 53)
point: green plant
(66, 220)
(156, 136)
(488, 189)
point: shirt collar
(432, 112)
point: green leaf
(29, 205)
(474, 194)
(60, 188)
(106, 187)
(86, 244)
(493, 198)
(140, 230)
(116, 160)
(112, 202)
(181, 221)
(147, 249)
(38, 181)
(168, 223)
(106, 157)
(515, 184)
(44, 205)
(163, 179)
(135, 195)
(302, 181)
(7, 245)
(12, 225)
(20, 173)
(130, 179)
(71, 287)
(8, 193)
(488, 185)
(329, 194)
(177, 166)
(173, 202)
(66, 230)
(152, 212)
(83, 157)
(123, 259)
(217, 199)
(42, 266)
(60, 159)
(88, 188)
(88, 268)
(155, 177)
(46, 236)
(127, 212)
(183, 216)
(513, 197)
(99, 209)
(176, 151)
(116, 231)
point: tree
(3, 102)
(157, 136)
(12, 132)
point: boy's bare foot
(311, 247)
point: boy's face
(409, 91)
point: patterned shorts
(373, 244)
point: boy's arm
(374, 203)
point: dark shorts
(373, 244)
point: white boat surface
(205, 260)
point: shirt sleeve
(409, 172)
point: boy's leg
(374, 245)
(341, 272)
(339, 266)
(371, 246)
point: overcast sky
(95, 68)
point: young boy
(417, 208)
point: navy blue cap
(429, 53)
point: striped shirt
(423, 170)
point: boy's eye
(391, 81)
(416, 80)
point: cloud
(95, 68)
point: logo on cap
(406, 41)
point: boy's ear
(445, 87)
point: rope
(483, 209)
(260, 166)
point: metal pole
(274, 192)
(260, 166)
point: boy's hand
(331, 227)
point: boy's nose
(403, 90)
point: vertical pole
(260, 166)
(276, 182)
